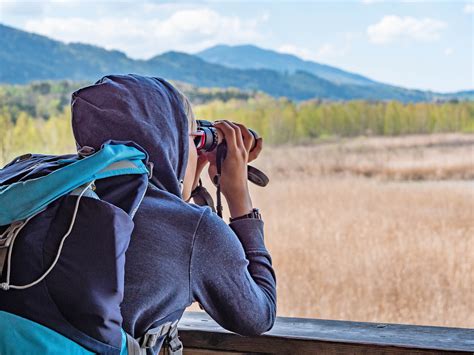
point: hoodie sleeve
(231, 274)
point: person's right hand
(233, 181)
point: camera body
(210, 137)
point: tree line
(36, 117)
(284, 121)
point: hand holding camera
(233, 179)
(232, 146)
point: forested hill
(26, 57)
(253, 57)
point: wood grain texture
(308, 336)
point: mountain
(252, 57)
(26, 57)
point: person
(180, 252)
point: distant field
(378, 229)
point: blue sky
(422, 44)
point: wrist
(254, 214)
(240, 204)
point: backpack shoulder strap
(26, 198)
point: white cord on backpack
(11, 234)
(6, 285)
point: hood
(145, 110)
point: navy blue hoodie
(179, 252)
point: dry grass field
(375, 229)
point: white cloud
(392, 27)
(469, 8)
(186, 30)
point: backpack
(65, 225)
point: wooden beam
(201, 334)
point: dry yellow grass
(371, 251)
(377, 249)
(428, 157)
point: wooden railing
(201, 335)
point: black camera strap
(202, 197)
(220, 156)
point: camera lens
(209, 136)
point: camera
(208, 137)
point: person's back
(179, 252)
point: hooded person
(179, 252)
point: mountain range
(26, 57)
(252, 57)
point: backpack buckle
(175, 346)
(150, 338)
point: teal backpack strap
(26, 198)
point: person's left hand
(206, 157)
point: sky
(415, 44)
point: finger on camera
(238, 135)
(229, 134)
(247, 136)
